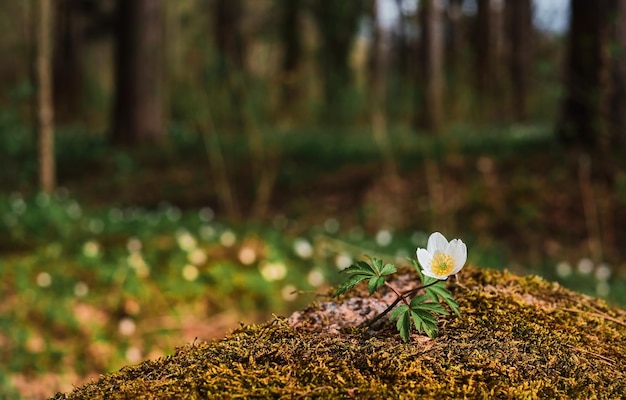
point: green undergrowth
(517, 337)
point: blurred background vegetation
(170, 168)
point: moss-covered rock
(517, 337)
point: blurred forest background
(169, 168)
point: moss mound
(517, 337)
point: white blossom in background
(186, 241)
(91, 249)
(603, 272)
(275, 271)
(190, 272)
(247, 255)
(563, 269)
(342, 261)
(133, 245)
(331, 225)
(303, 248)
(289, 293)
(133, 354)
(81, 289)
(585, 266)
(315, 277)
(126, 326)
(228, 238)
(384, 238)
(197, 257)
(44, 279)
(441, 258)
(207, 232)
(206, 214)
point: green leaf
(404, 326)
(366, 267)
(375, 283)
(437, 291)
(430, 329)
(388, 269)
(425, 316)
(350, 283)
(417, 300)
(396, 312)
(431, 307)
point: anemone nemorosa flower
(441, 258)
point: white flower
(441, 258)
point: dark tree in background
(485, 55)
(431, 63)
(138, 103)
(617, 100)
(582, 121)
(45, 108)
(290, 29)
(337, 23)
(69, 34)
(229, 40)
(520, 35)
(454, 45)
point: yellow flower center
(442, 264)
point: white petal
(437, 243)
(424, 258)
(458, 251)
(430, 273)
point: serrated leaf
(431, 307)
(388, 269)
(417, 300)
(350, 283)
(396, 312)
(437, 291)
(404, 326)
(430, 329)
(377, 265)
(425, 316)
(417, 321)
(374, 284)
(366, 267)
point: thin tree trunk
(45, 107)
(520, 38)
(453, 55)
(618, 74)
(432, 65)
(292, 53)
(582, 121)
(138, 112)
(67, 60)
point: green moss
(517, 337)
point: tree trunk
(520, 44)
(618, 74)
(138, 110)
(453, 55)
(337, 22)
(67, 60)
(44, 97)
(585, 104)
(432, 65)
(292, 54)
(486, 59)
(227, 31)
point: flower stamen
(442, 264)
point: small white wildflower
(44, 279)
(91, 249)
(133, 245)
(207, 232)
(603, 272)
(190, 272)
(563, 269)
(343, 261)
(273, 271)
(206, 214)
(186, 241)
(247, 255)
(303, 248)
(126, 326)
(133, 354)
(228, 238)
(383, 238)
(81, 289)
(441, 258)
(585, 266)
(315, 277)
(197, 256)
(331, 225)
(289, 293)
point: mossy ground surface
(517, 337)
